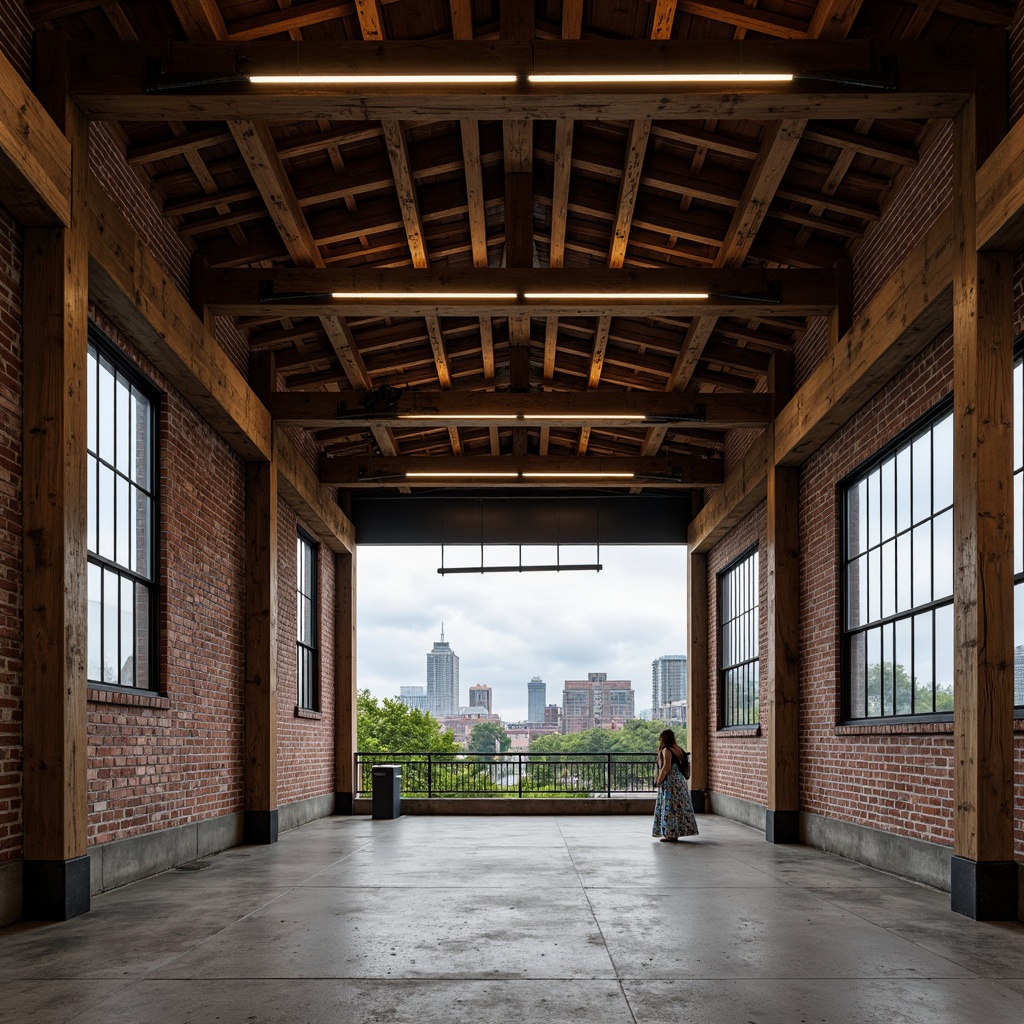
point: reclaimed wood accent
(698, 676)
(560, 409)
(129, 284)
(35, 155)
(373, 471)
(260, 686)
(983, 517)
(345, 680)
(314, 503)
(54, 431)
(109, 80)
(902, 318)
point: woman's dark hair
(666, 738)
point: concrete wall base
(915, 859)
(11, 883)
(302, 811)
(490, 806)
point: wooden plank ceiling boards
(750, 193)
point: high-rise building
(668, 683)
(442, 679)
(480, 697)
(596, 702)
(536, 698)
(413, 697)
(552, 714)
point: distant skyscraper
(537, 697)
(668, 682)
(442, 679)
(480, 697)
(414, 697)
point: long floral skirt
(673, 811)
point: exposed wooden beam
(1000, 191)
(743, 292)
(128, 283)
(346, 785)
(35, 156)
(109, 80)
(559, 409)
(731, 12)
(478, 470)
(833, 19)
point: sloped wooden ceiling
(572, 199)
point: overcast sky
(509, 627)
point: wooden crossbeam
(433, 409)
(524, 470)
(113, 81)
(503, 292)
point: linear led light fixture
(501, 79)
(598, 78)
(586, 417)
(425, 296)
(516, 476)
(627, 296)
(459, 476)
(578, 476)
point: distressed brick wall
(11, 561)
(738, 761)
(155, 762)
(308, 768)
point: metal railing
(522, 775)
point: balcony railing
(514, 775)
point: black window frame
(904, 440)
(307, 683)
(106, 350)
(752, 701)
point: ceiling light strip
(626, 296)
(426, 296)
(502, 79)
(655, 78)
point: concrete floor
(517, 920)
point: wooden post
(983, 872)
(346, 784)
(55, 417)
(782, 682)
(697, 681)
(260, 784)
(841, 317)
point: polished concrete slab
(539, 919)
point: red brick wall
(738, 762)
(181, 760)
(10, 538)
(305, 763)
(1017, 66)
(16, 36)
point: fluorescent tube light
(586, 79)
(383, 79)
(623, 296)
(521, 416)
(578, 476)
(473, 476)
(425, 296)
(584, 416)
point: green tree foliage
(488, 738)
(636, 737)
(389, 726)
(886, 678)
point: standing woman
(673, 812)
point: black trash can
(387, 790)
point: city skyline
(507, 628)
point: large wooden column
(56, 867)
(782, 612)
(983, 873)
(260, 782)
(346, 784)
(697, 681)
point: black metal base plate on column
(343, 803)
(782, 826)
(984, 890)
(55, 890)
(260, 827)
(698, 801)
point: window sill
(740, 731)
(131, 698)
(894, 728)
(314, 716)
